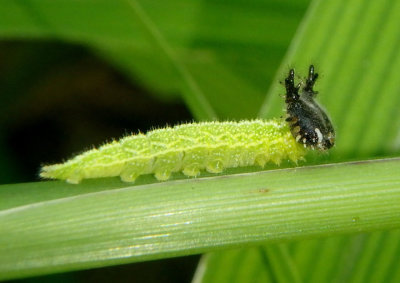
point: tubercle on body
(188, 148)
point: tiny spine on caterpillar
(187, 148)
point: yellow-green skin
(189, 148)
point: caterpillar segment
(188, 148)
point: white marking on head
(298, 137)
(319, 135)
(304, 140)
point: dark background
(64, 100)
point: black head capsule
(308, 122)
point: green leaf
(134, 223)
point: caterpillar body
(187, 148)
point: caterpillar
(211, 146)
(189, 148)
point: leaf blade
(193, 216)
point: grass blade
(144, 222)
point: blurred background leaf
(58, 98)
(210, 39)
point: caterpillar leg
(162, 175)
(128, 176)
(192, 170)
(135, 168)
(261, 160)
(194, 161)
(167, 163)
(74, 179)
(215, 166)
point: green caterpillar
(189, 148)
